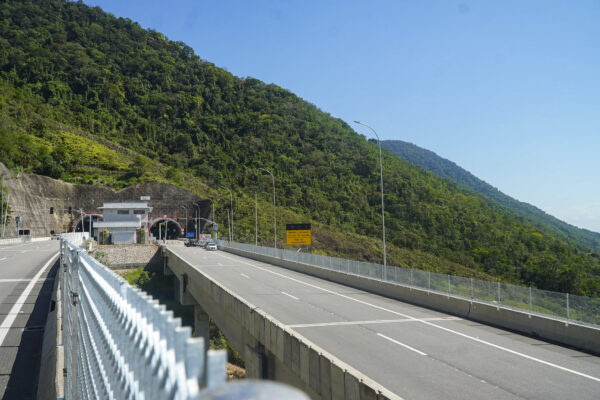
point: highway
(26, 279)
(415, 352)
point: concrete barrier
(50, 383)
(269, 345)
(572, 334)
(4, 242)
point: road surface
(415, 352)
(26, 280)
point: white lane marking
(289, 295)
(376, 321)
(424, 322)
(16, 308)
(2, 258)
(245, 276)
(402, 344)
(219, 264)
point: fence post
(530, 303)
(429, 282)
(411, 277)
(472, 293)
(498, 294)
(448, 285)
(568, 311)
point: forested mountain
(444, 168)
(81, 91)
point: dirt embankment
(31, 197)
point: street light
(231, 197)
(255, 218)
(274, 215)
(196, 221)
(186, 218)
(382, 207)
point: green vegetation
(76, 80)
(443, 168)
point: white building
(123, 222)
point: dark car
(191, 243)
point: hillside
(444, 168)
(89, 97)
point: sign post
(298, 234)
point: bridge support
(201, 323)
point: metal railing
(536, 301)
(119, 343)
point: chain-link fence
(561, 305)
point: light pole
(231, 197)
(196, 221)
(274, 215)
(382, 206)
(186, 218)
(255, 218)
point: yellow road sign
(298, 234)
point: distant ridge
(444, 168)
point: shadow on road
(23, 381)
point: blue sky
(509, 90)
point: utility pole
(231, 206)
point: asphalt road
(415, 352)
(26, 281)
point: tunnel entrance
(172, 230)
(82, 224)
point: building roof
(123, 206)
(118, 224)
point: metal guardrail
(119, 343)
(536, 301)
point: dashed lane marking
(289, 295)
(376, 321)
(402, 344)
(475, 339)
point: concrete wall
(271, 350)
(583, 337)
